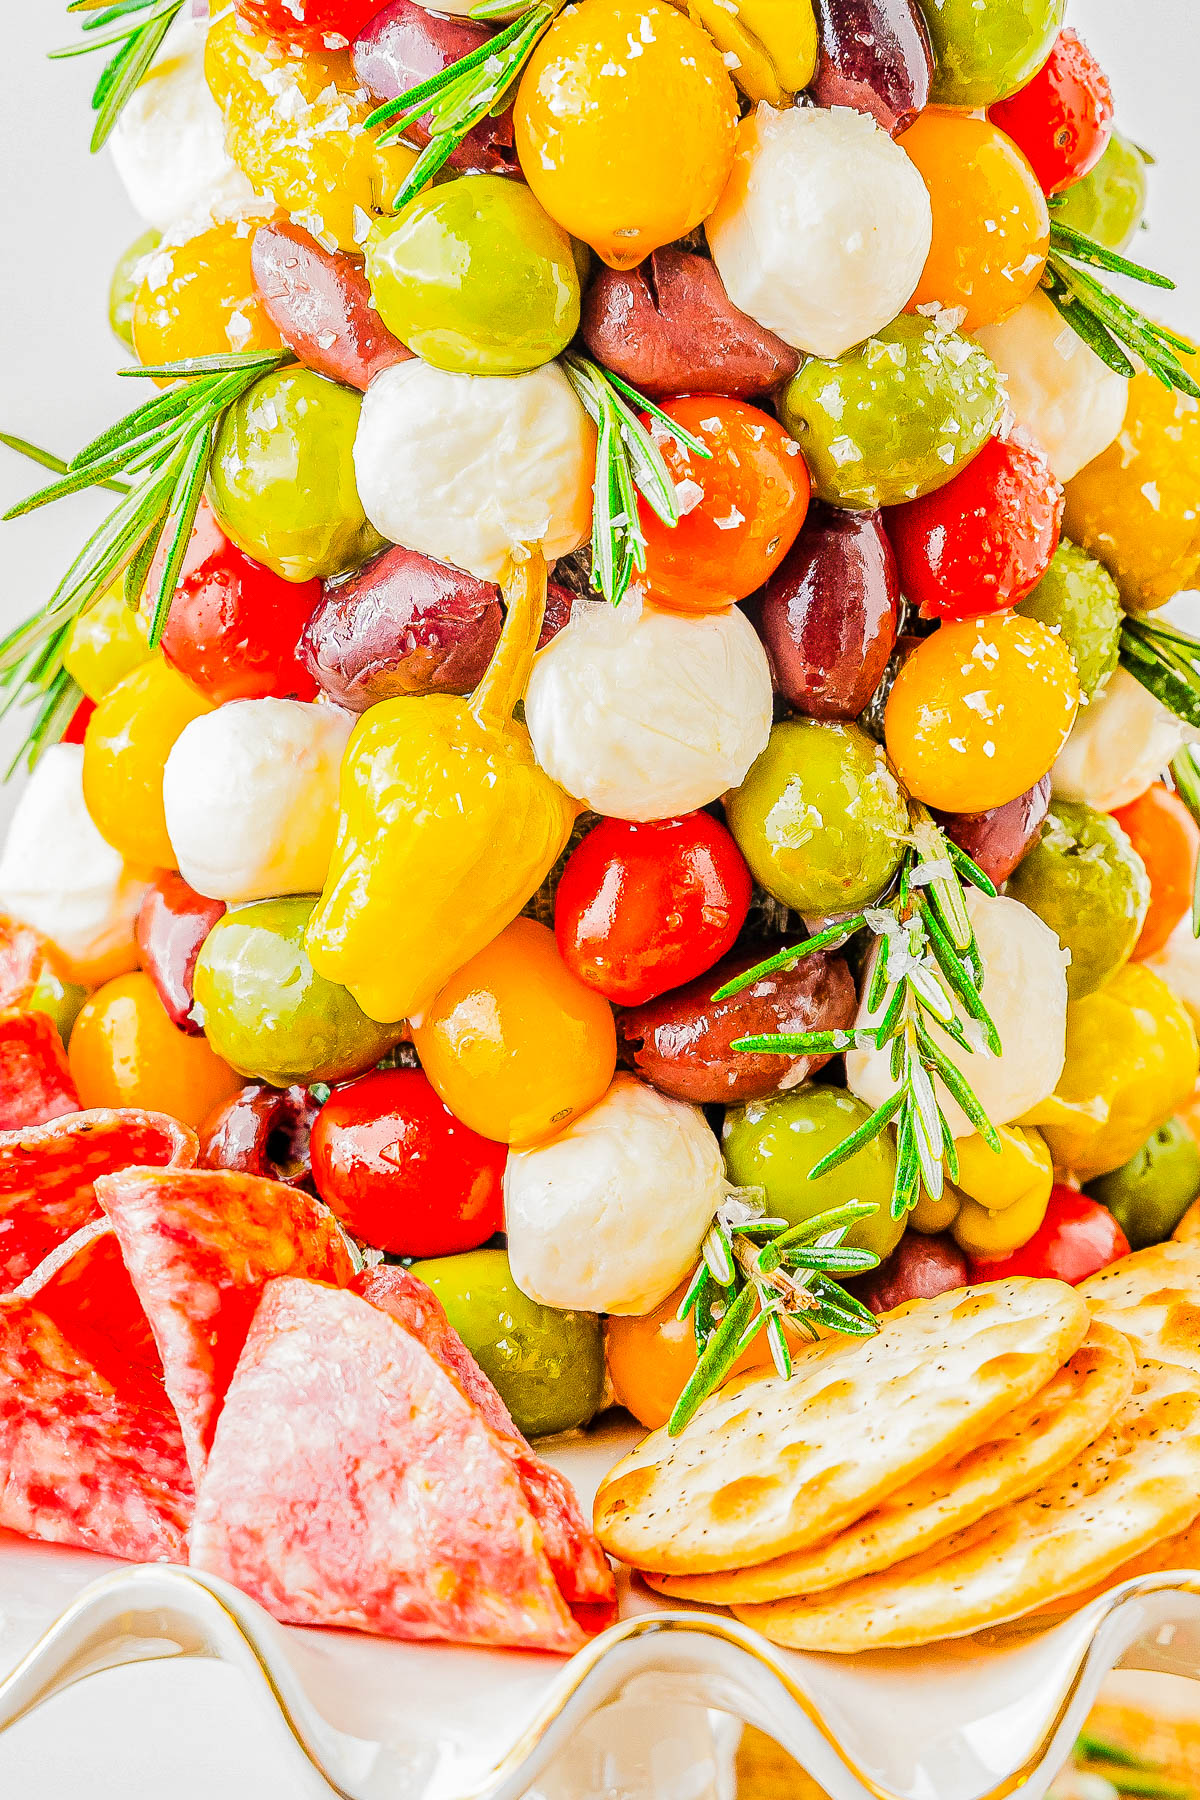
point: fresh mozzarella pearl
(1058, 388)
(58, 874)
(823, 228)
(250, 792)
(1118, 746)
(1178, 963)
(169, 143)
(1024, 990)
(644, 714)
(609, 1215)
(467, 467)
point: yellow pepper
(106, 643)
(774, 41)
(1006, 1191)
(1131, 1062)
(448, 826)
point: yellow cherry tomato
(1006, 1192)
(198, 298)
(294, 126)
(625, 121)
(1136, 506)
(980, 711)
(1132, 1061)
(514, 1043)
(125, 1051)
(129, 737)
(991, 226)
(106, 643)
(930, 1216)
(651, 1359)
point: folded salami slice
(85, 1288)
(48, 1174)
(200, 1245)
(85, 1460)
(582, 1570)
(352, 1483)
(24, 954)
(35, 1082)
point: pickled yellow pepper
(448, 827)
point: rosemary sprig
(461, 96)
(1104, 321)
(756, 1272)
(926, 974)
(628, 463)
(1166, 661)
(138, 27)
(46, 459)
(164, 447)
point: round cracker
(1018, 1455)
(1153, 1296)
(1135, 1486)
(1188, 1229)
(782, 1464)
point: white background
(63, 221)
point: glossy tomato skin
(1076, 1238)
(234, 626)
(1062, 119)
(642, 908)
(984, 541)
(77, 724)
(311, 24)
(401, 1172)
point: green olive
(267, 1011)
(984, 50)
(820, 818)
(282, 479)
(1086, 880)
(774, 1143)
(1079, 599)
(1149, 1194)
(1109, 202)
(62, 1000)
(126, 279)
(547, 1365)
(475, 277)
(895, 417)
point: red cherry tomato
(314, 24)
(401, 1172)
(742, 507)
(172, 924)
(984, 540)
(1062, 119)
(78, 723)
(642, 908)
(234, 626)
(1077, 1237)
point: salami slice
(48, 1174)
(84, 1460)
(200, 1245)
(582, 1570)
(352, 1483)
(24, 954)
(35, 1082)
(85, 1288)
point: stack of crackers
(1002, 1451)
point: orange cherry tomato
(198, 298)
(991, 226)
(515, 1044)
(125, 750)
(744, 505)
(980, 711)
(651, 1359)
(1166, 837)
(125, 1051)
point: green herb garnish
(138, 28)
(1104, 321)
(1166, 661)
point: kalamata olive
(828, 616)
(919, 1268)
(875, 57)
(320, 304)
(681, 1042)
(669, 327)
(172, 923)
(998, 839)
(403, 45)
(405, 624)
(262, 1131)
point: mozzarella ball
(1118, 746)
(250, 792)
(643, 714)
(1058, 388)
(609, 1215)
(467, 467)
(823, 228)
(169, 143)
(1024, 990)
(59, 875)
